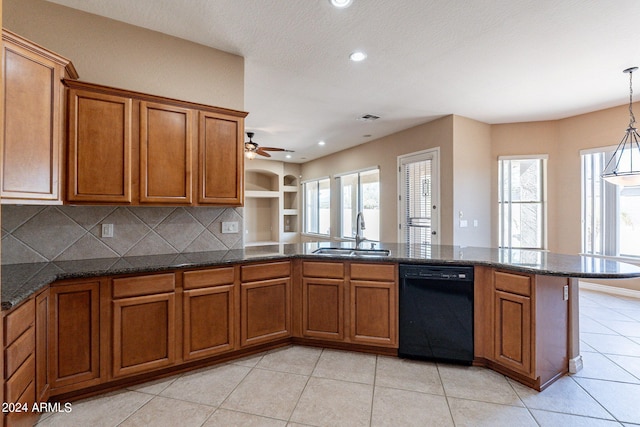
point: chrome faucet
(359, 227)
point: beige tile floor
(304, 386)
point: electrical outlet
(463, 223)
(230, 227)
(107, 230)
(565, 292)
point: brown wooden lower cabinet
(109, 331)
(358, 297)
(144, 326)
(74, 335)
(513, 331)
(374, 304)
(209, 312)
(521, 325)
(20, 364)
(265, 302)
(323, 308)
(323, 300)
(374, 313)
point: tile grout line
(446, 396)
(305, 387)
(373, 389)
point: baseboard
(610, 289)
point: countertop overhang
(19, 281)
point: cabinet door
(74, 335)
(143, 333)
(99, 163)
(32, 125)
(221, 160)
(209, 321)
(166, 144)
(323, 308)
(513, 331)
(374, 313)
(265, 311)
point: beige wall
(465, 173)
(121, 55)
(471, 182)
(383, 152)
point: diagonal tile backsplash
(57, 233)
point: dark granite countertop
(19, 281)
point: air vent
(368, 118)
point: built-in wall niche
(290, 181)
(258, 180)
(290, 201)
(290, 223)
(271, 202)
(262, 225)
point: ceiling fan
(252, 148)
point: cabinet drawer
(382, 272)
(19, 351)
(252, 273)
(514, 283)
(144, 285)
(18, 321)
(210, 277)
(333, 270)
(18, 383)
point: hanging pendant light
(623, 168)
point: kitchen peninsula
(78, 328)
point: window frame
(305, 211)
(542, 202)
(359, 201)
(606, 241)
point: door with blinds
(418, 198)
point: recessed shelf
(262, 194)
(271, 203)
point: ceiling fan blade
(276, 149)
(262, 153)
(272, 149)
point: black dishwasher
(436, 313)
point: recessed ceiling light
(358, 56)
(340, 4)
(321, 143)
(288, 156)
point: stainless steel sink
(353, 252)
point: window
(317, 216)
(610, 214)
(521, 200)
(360, 192)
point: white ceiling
(495, 61)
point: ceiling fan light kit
(251, 148)
(623, 168)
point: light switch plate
(230, 227)
(463, 223)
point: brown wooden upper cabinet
(132, 148)
(33, 121)
(99, 152)
(221, 160)
(166, 146)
